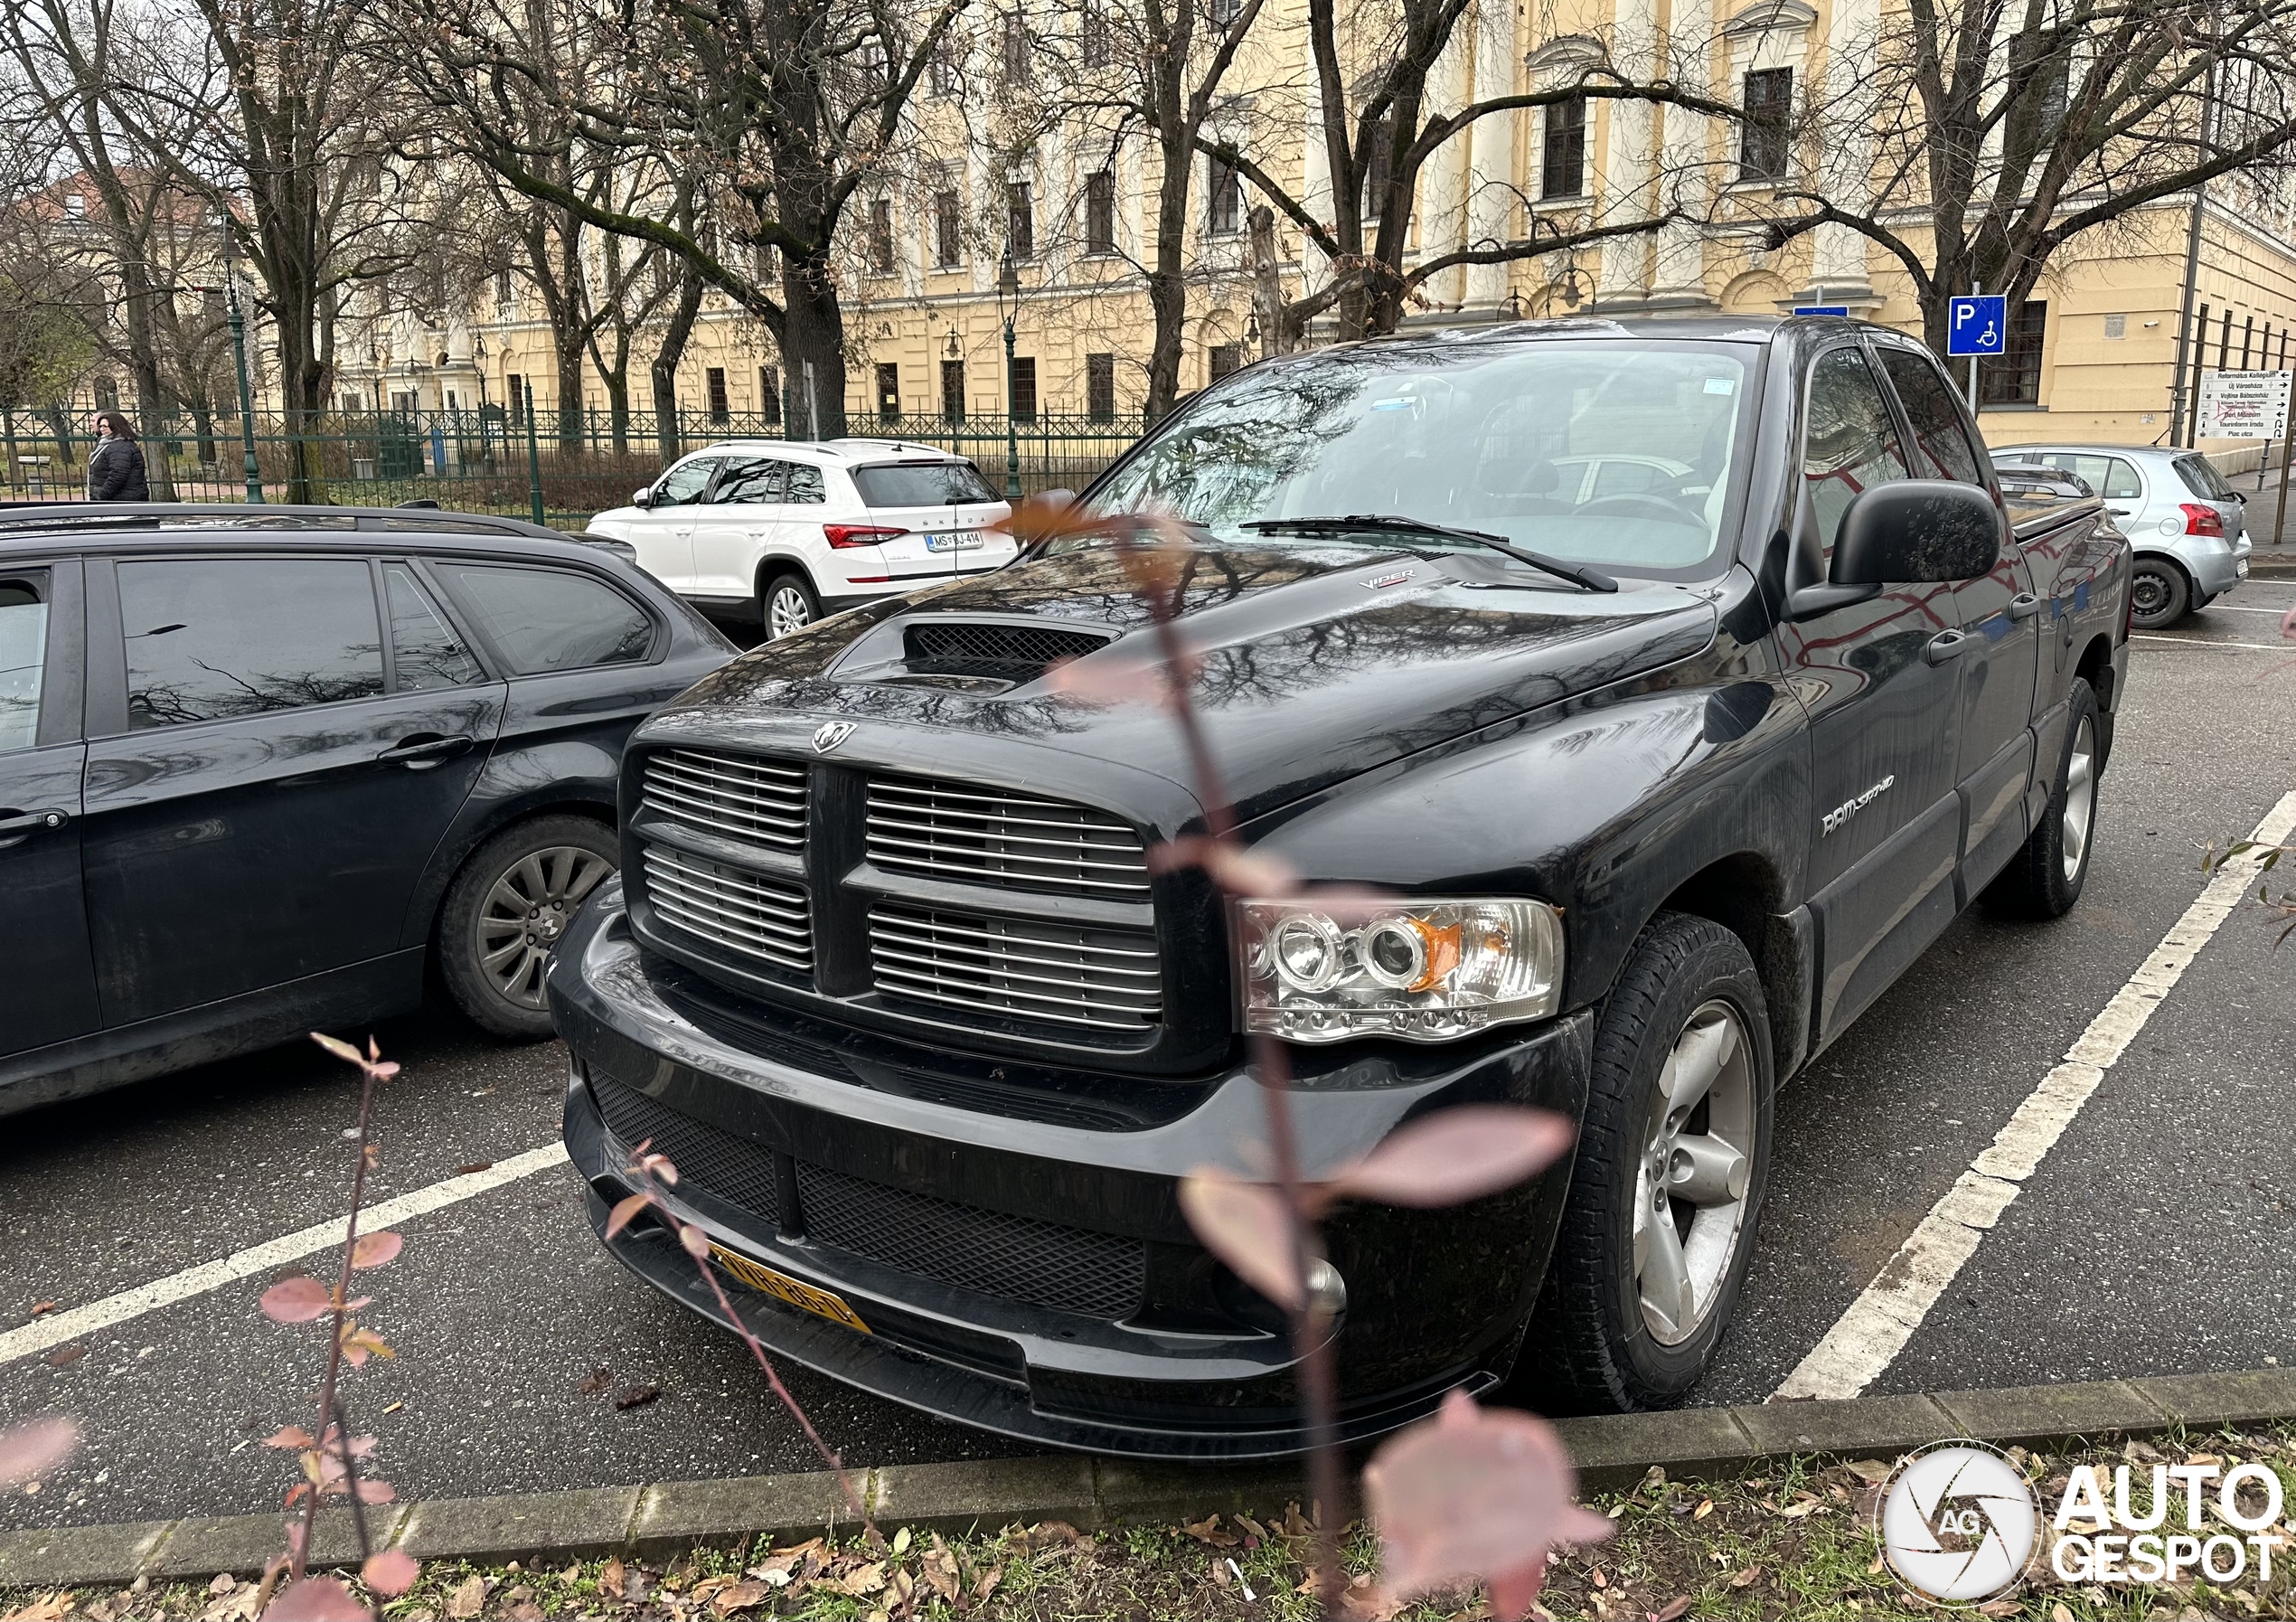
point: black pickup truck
(1679, 681)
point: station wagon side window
(218, 639)
(1849, 443)
(1940, 446)
(685, 482)
(805, 487)
(23, 652)
(542, 620)
(425, 652)
(758, 479)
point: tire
(2162, 595)
(544, 868)
(1602, 1339)
(787, 605)
(2045, 879)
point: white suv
(785, 533)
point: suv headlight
(1422, 970)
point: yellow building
(2095, 357)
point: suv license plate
(952, 542)
(792, 1292)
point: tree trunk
(665, 366)
(813, 337)
(1277, 335)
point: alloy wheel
(1690, 1187)
(787, 611)
(525, 911)
(2080, 797)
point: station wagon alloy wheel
(1689, 1197)
(789, 607)
(525, 912)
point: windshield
(1610, 453)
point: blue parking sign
(1977, 324)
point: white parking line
(44, 1332)
(2253, 648)
(2236, 609)
(1867, 1338)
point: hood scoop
(978, 654)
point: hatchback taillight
(858, 534)
(2201, 520)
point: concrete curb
(1612, 1450)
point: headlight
(1425, 971)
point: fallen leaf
(595, 1382)
(50, 1607)
(710, 1585)
(64, 1357)
(638, 1396)
(1675, 1609)
(987, 1586)
(1869, 1470)
(39, 1308)
(1207, 1530)
(1807, 1506)
(1705, 1508)
(738, 1596)
(2059, 1612)
(1745, 1578)
(467, 1600)
(1252, 1526)
(867, 1579)
(902, 1541)
(609, 1579)
(1598, 1579)
(473, 1167)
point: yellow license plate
(782, 1288)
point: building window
(106, 394)
(1564, 171)
(503, 298)
(1226, 200)
(1016, 50)
(940, 73)
(1224, 13)
(1225, 358)
(1092, 36)
(762, 262)
(769, 395)
(2013, 377)
(1379, 168)
(1100, 212)
(881, 236)
(952, 390)
(1021, 221)
(1764, 147)
(948, 237)
(1024, 388)
(1100, 387)
(517, 399)
(714, 381)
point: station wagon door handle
(1944, 646)
(424, 749)
(18, 828)
(2024, 605)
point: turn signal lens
(1422, 970)
(2201, 519)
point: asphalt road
(2152, 1241)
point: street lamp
(1008, 305)
(238, 357)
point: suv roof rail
(83, 515)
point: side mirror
(1918, 531)
(643, 498)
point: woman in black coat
(116, 467)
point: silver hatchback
(2186, 523)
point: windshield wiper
(1395, 523)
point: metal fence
(559, 469)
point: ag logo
(830, 734)
(1958, 1521)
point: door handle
(2024, 605)
(1944, 646)
(421, 750)
(15, 826)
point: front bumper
(772, 1111)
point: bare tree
(774, 110)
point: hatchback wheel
(504, 911)
(2159, 592)
(1666, 1187)
(790, 606)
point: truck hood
(1311, 665)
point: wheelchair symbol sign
(1977, 324)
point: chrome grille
(1104, 978)
(984, 835)
(741, 913)
(758, 802)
